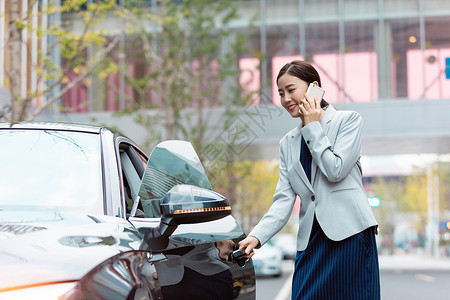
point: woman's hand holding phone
(310, 107)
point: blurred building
(387, 59)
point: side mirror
(185, 204)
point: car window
(171, 163)
(143, 160)
(132, 165)
(50, 169)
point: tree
(51, 78)
(389, 191)
(414, 197)
(192, 57)
(189, 73)
(252, 188)
(410, 195)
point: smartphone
(315, 91)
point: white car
(84, 214)
(267, 260)
(287, 243)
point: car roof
(53, 126)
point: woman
(336, 250)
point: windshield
(42, 169)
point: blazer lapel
(295, 145)
(325, 122)
(327, 117)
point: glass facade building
(365, 50)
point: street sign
(447, 67)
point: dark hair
(304, 71)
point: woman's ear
(316, 83)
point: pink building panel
(361, 76)
(426, 74)
(358, 79)
(328, 67)
(76, 99)
(250, 79)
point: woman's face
(291, 90)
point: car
(267, 260)
(287, 243)
(86, 214)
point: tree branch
(98, 59)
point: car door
(196, 252)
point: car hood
(41, 247)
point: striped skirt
(346, 269)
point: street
(415, 285)
(402, 277)
(276, 288)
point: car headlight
(50, 291)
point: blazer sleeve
(335, 161)
(282, 205)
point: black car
(85, 215)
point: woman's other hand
(248, 244)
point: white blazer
(335, 195)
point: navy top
(306, 159)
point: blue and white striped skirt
(346, 269)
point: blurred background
(204, 71)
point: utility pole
(436, 212)
(433, 211)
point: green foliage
(443, 171)
(411, 196)
(187, 66)
(414, 196)
(72, 46)
(248, 185)
(389, 193)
